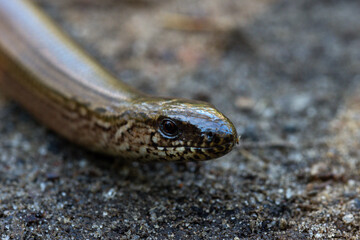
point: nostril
(209, 136)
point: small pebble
(283, 224)
(348, 218)
(289, 193)
(244, 103)
(300, 102)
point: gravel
(286, 72)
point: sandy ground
(286, 72)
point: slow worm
(66, 90)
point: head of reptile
(179, 130)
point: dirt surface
(286, 72)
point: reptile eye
(169, 128)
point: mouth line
(190, 147)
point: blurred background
(287, 73)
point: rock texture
(286, 72)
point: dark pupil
(169, 127)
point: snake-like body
(66, 90)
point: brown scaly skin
(67, 91)
(203, 133)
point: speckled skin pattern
(67, 91)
